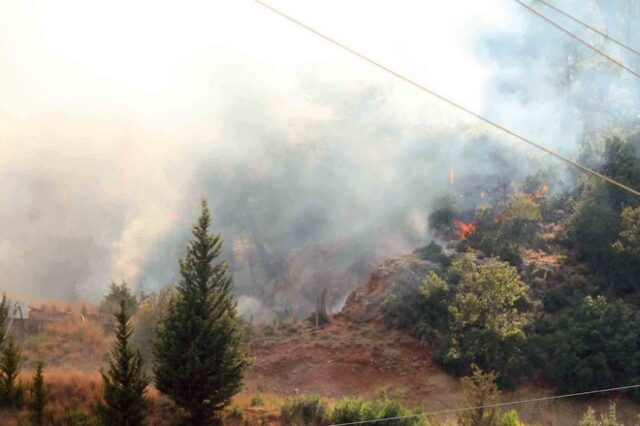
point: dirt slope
(357, 355)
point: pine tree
(11, 391)
(4, 317)
(125, 403)
(38, 400)
(199, 359)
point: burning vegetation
(464, 230)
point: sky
(110, 112)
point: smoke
(315, 170)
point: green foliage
(78, 417)
(116, 295)
(38, 398)
(593, 226)
(150, 312)
(433, 253)
(514, 226)
(11, 390)
(124, 383)
(442, 215)
(595, 345)
(486, 323)
(257, 400)
(309, 410)
(607, 419)
(519, 219)
(603, 226)
(199, 358)
(4, 317)
(510, 418)
(357, 409)
(475, 312)
(422, 309)
(480, 390)
(628, 243)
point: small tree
(486, 325)
(199, 360)
(479, 391)
(125, 383)
(117, 294)
(607, 419)
(4, 316)
(38, 399)
(11, 391)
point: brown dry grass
(66, 336)
(79, 392)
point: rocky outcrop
(366, 303)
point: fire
(540, 192)
(464, 229)
(452, 176)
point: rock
(366, 303)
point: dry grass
(66, 336)
(79, 392)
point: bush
(12, 393)
(486, 323)
(421, 309)
(116, 294)
(596, 344)
(358, 409)
(474, 312)
(441, 217)
(607, 419)
(433, 253)
(78, 418)
(257, 400)
(308, 410)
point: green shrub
(357, 409)
(309, 410)
(116, 294)
(422, 309)
(442, 215)
(433, 253)
(596, 344)
(510, 418)
(607, 419)
(77, 418)
(257, 400)
(487, 323)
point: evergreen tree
(11, 391)
(4, 316)
(199, 360)
(124, 403)
(38, 400)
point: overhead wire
(460, 107)
(578, 38)
(591, 27)
(487, 406)
(506, 130)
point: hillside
(354, 354)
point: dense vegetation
(491, 302)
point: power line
(396, 74)
(592, 28)
(498, 405)
(578, 39)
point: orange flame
(452, 176)
(464, 229)
(540, 192)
